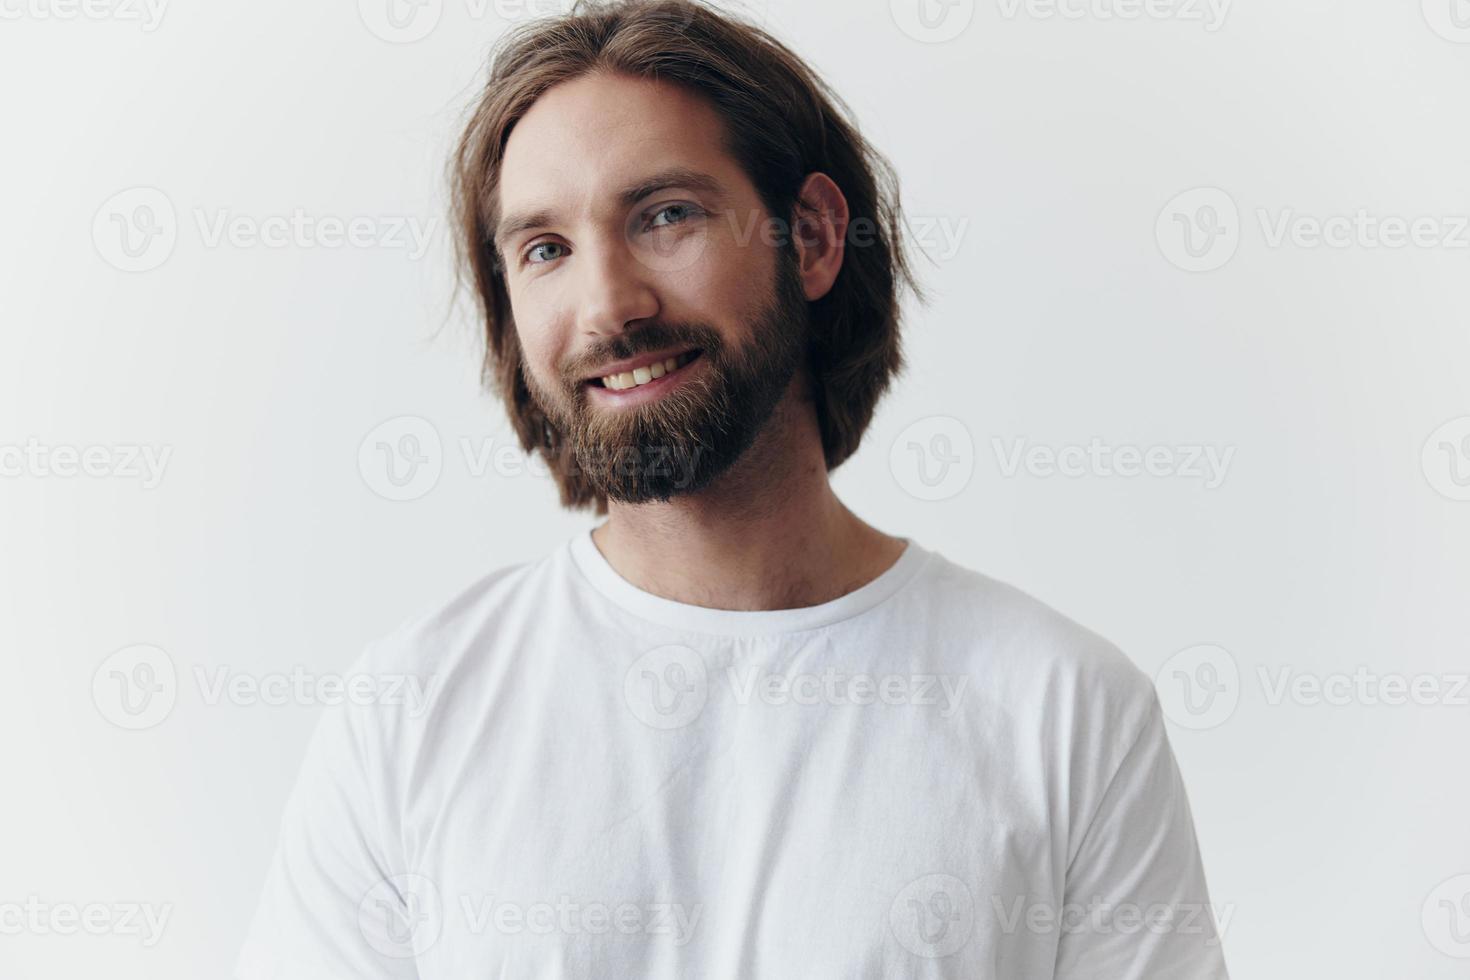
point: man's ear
(820, 232)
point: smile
(645, 373)
(642, 378)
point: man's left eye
(676, 213)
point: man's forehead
(587, 140)
(603, 112)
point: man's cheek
(537, 354)
(546, 380)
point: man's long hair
(781, 123)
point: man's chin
(655, 457)
(647, 472)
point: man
(733, 731)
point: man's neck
(769, 533)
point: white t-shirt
(561, 775)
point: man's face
(660, 319)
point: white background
(1052, 149)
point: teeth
(641, 376)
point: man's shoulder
(471, 618)
(1025, 640)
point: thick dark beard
(680, 443)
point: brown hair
(782, 123)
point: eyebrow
(517, 222)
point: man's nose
(615, 289)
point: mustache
(647, 338)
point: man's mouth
(643, 371)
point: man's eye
(676, 212)
(534, 250)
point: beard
(680, 442)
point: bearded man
(732, 730)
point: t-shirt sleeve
(1137, 907)
(334, 904)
